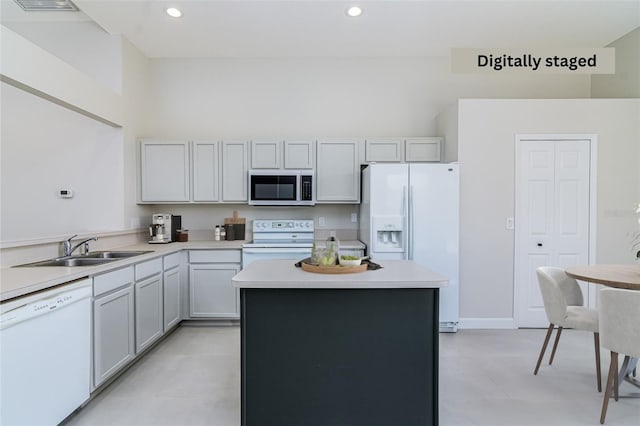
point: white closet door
(552, 217)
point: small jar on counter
(183, 235)
(216, 233)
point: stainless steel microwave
(281, 188)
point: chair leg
(555, 345)
(615, 377)
(607, 390)
(596, 342)
(544, 348)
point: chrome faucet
(68, 248)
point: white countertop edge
(275, 274)
(340, 285)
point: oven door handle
(268, 250)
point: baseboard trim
(487, 323)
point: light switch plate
(510, 223)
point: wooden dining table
(618, 276)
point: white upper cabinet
(338, 171)
(381, 150)
(422, 149)
(274, 154)
(234, 171)
(164, 171)
(206, 171)
(298, 154)
(266, 154)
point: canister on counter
(183, 235)
(230, 230)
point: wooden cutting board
(333, 269)
(235, 220)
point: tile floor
(193, 378)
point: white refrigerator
(411, 211)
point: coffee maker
(164, 228)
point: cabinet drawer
(148, 268)
(171, 260)
(214, 256)
(112, 280)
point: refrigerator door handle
(405, 224)
(411, 219)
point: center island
(339, 349)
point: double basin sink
(89, 259)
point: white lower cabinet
(171, 285)
(149, 307)
(113, 323)
(211, 292)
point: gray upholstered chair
(619, 319)
(563, 304)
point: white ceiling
(299, 28)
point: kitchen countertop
(283, 274)
(16, 282)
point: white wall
(83, 45)
(625, 83)
(486, 154)
(135, 93)
(46, 147)
(297, 97)
(447, 126)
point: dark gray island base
(359, 354)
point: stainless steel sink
(114, 254)
(90, 259)
(70, 261)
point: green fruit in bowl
(347, 257)
(327, 261)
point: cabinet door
(206, 171)
(422, 149)
(234, 171)
(265, 154)
(383, 150)
(148, 311)
(171, 297)
(212, 294)
(113, 333)
(298, 154)
(338, 171)
(164, 171)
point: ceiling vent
(47, 5)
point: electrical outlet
(510, 223)
(354, 217)
(321, 221)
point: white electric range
(279, 239)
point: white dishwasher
(45, 358)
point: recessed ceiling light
(354, 11)
(173, 12)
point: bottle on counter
(223, 233)
(216, 233)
